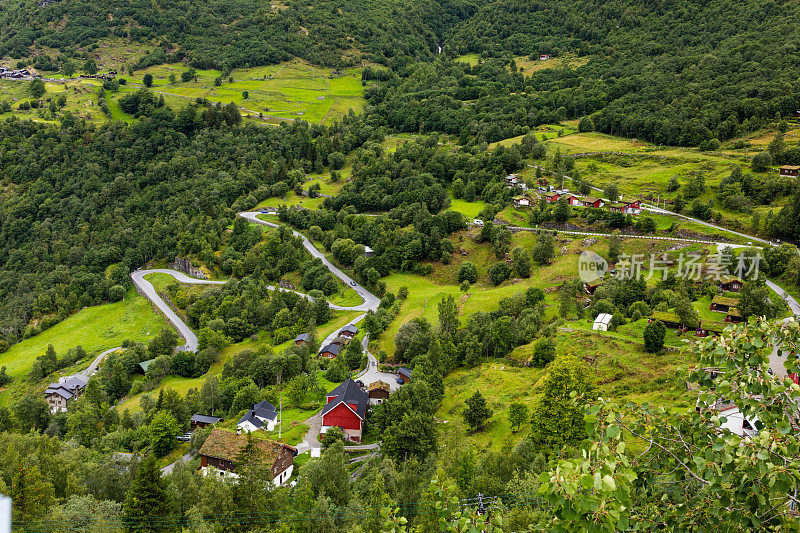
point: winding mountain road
(369, 300)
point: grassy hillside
(619, 366)
(286, 91)
(95, 328)
(182, 385)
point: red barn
(346, 408)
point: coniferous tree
(148, 504)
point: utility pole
(280, 414)
(481, 509)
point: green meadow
(96, 328)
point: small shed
(602, 322)
(142, 367)
(378, 392)
(201, 421)
(789, 171)
(730, 284)
(405, 374)
(670, 320)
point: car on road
(353, 283)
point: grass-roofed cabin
(670, 320)
(723, 304)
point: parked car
(400, 381)
(186, 437)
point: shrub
(654, 334)
(499, 272)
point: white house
(262, 416)
(735, 421)
(601, 322)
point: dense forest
(86, 206)
(676, 73)
(82, 205)
(227, 34)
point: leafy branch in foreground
(648, 467)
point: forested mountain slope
(675, 72)
(226, 34)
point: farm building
(521, 201)
(730, 284)
(733, 316)
(670, 320)
(735, 421)
(341, 341)
(142, 367)
(404, 374)
(789, 171)
(591, 201)
(346, 408)
(552, 197)
(220, 454)
(589, 288)
(707, 328)
(302, 339)
(627, 208)
(201, 421)
(368, 252)
(723, 304)
(602, 322)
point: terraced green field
(287, 91)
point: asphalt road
(96, 363)
(370, 300)
(149, 292)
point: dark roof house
(350, 330)
(203, 420)
(405, 374)
(346, 408)
(330, 350)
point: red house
(346, 408)
(552, 197)
(573, 200)
(628, 208)
(591, 201)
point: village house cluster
(553, 195)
